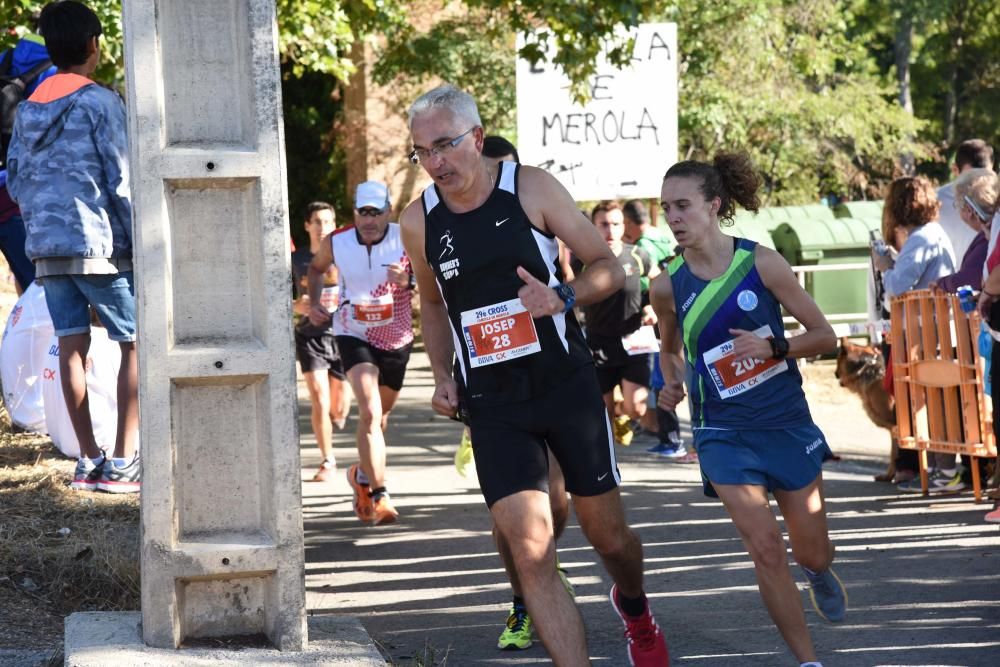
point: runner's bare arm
(650, 271)
(551, 208)
(564, 263)
(661, 297)
(434, 323)
(302, 304)
(778, 277)
(320, 264)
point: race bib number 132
(499, 333)
(733, 377)
(373, 311)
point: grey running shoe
(87, 474)
(939, 482)
(828, 595)
(120, 480)
(911, 485)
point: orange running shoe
(383, 511)
(362, 501)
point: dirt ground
(841, 416)
(27, 624)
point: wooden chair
(938, 381)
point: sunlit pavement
(923, 574)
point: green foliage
(474, 52)
(955, 47)
(316, 168)
(569, 33)
(317, 35)
(784, 81)
(808, 87)
(17, 20)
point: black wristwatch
(567, 294)
(779, 348)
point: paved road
(923, 574)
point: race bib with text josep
(500, 332)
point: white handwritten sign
(621, 143)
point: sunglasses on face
(370, 212)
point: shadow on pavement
(922, 573)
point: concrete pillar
(221, 506)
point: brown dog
(861, 369)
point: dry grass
(45, 574)
(67, 550)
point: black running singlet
(504, 355)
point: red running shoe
(646, 645)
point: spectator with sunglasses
(373, 328)
(975, 201)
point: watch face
(567, 294)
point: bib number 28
(498, 333)
(501, 342)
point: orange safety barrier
(941, 405)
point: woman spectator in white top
(925, 255)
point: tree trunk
(355, 128)
(951, 95)
(956, 31)
(902, 47)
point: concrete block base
(99, 639)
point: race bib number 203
(732, 376)
(499, 333)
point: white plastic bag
(103, 362)
(23, 351)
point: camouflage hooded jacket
(68, 170)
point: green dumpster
(750, 226)
(860, 210)
(823, 242)
(773, 216)
(745, 224)
(768, 218)
(810, 212)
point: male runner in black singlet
(482, 242)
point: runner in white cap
(374, 332)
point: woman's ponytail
(731, 177)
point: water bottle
(966, 299)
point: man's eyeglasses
(370, 212)
(418, 155)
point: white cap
(374, 194)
